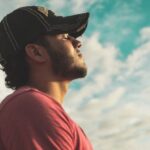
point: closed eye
(65, 36)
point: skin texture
(52, 68)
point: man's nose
(76, 43)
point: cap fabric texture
(25, 24)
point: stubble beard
(66, 67)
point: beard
(66, 66)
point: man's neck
(55, 89)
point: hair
(16, 70)
(14, 64)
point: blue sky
(112, 102)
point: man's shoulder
(26, 97)
(34, 106)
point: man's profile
(39, 53)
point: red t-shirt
(31, 120)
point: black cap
(25, 24)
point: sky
(112, 103)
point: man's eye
(66, 36)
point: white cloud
(113, 97)
(80, 5)
(101, 56)
(8, 6)
(117, 24)
(57, 5)
(145, 34)
(21, 3)
(138, 60)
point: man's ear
(36, 53)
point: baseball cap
(25, 24)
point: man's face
(67, 60)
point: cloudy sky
(112, 103)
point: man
(40, 55)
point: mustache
(79, 53)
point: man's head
(27, 31)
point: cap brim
(74, 25)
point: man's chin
(77, 73)
(71, 72)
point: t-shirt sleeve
(34, 122)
